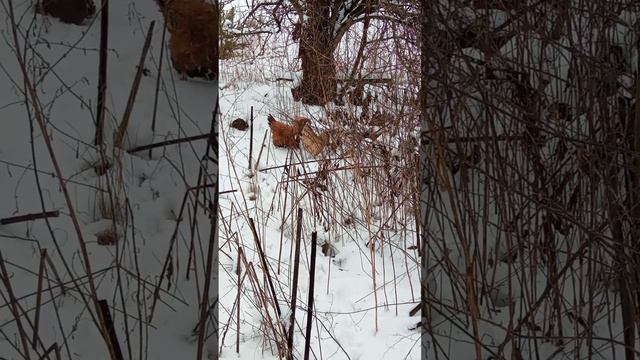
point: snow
(345, 308)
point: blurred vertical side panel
(424, 173)
(109, 143)
(214, 243)
(529, 205)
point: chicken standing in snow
(285, 135)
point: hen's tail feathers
(270, 119)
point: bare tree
(319, 29)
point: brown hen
(285, 135)
(314, 143)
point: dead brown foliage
(193, 26)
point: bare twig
(124, 123)
(29, 217)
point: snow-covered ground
(344, 301)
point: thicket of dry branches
(531, 177)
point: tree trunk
(318, 85)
